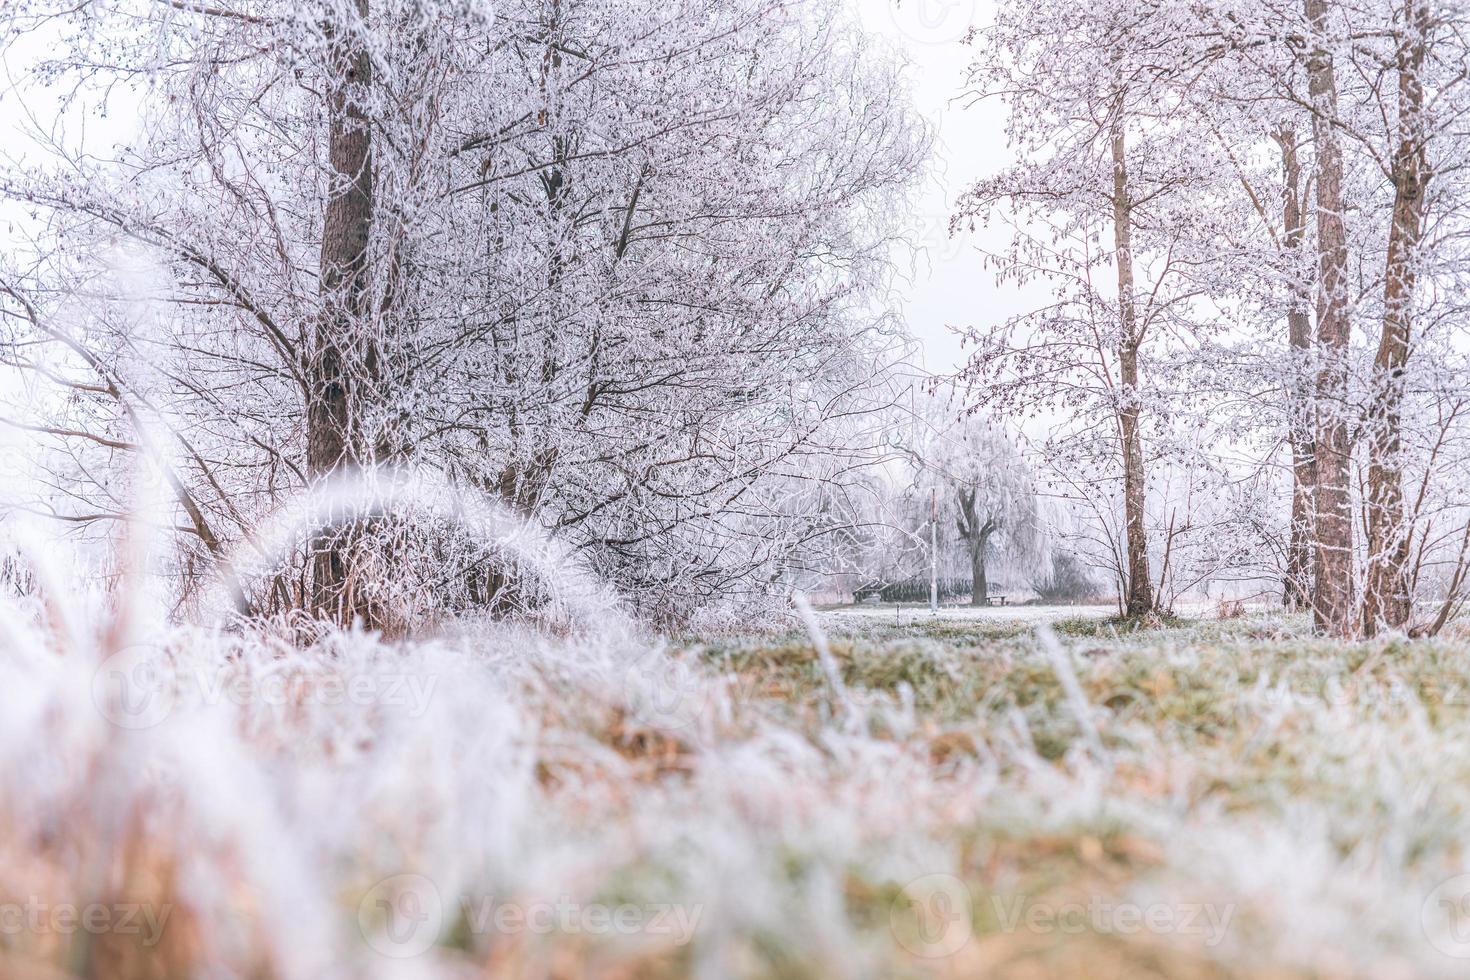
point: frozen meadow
(963, 796)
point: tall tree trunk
(1297, 588)
(346, 225)
(1332, 600)
(1386, 598)
(1140, 597)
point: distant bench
(911, 592)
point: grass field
(957, 797)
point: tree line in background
(626, 267)
(1249, 217)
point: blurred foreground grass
(1208, 799)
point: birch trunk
(1297, 588)
(1140, 598)
(1386, 602)
(1332, 599)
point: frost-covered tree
(618, 263)
(1343, 83)
(1105, 205)
(1250, 217)
(968, 476)
(987, 491)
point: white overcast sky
(946, 284)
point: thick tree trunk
(1332, 599)
(346, 225)
(1296, 591)
(979, 585)
(975, 530)
(1140, 598)
(1386, 599)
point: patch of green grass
(1198, 745)
(1114, 626)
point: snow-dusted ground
(913, 614)
(1225, 799)
(910, 614)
